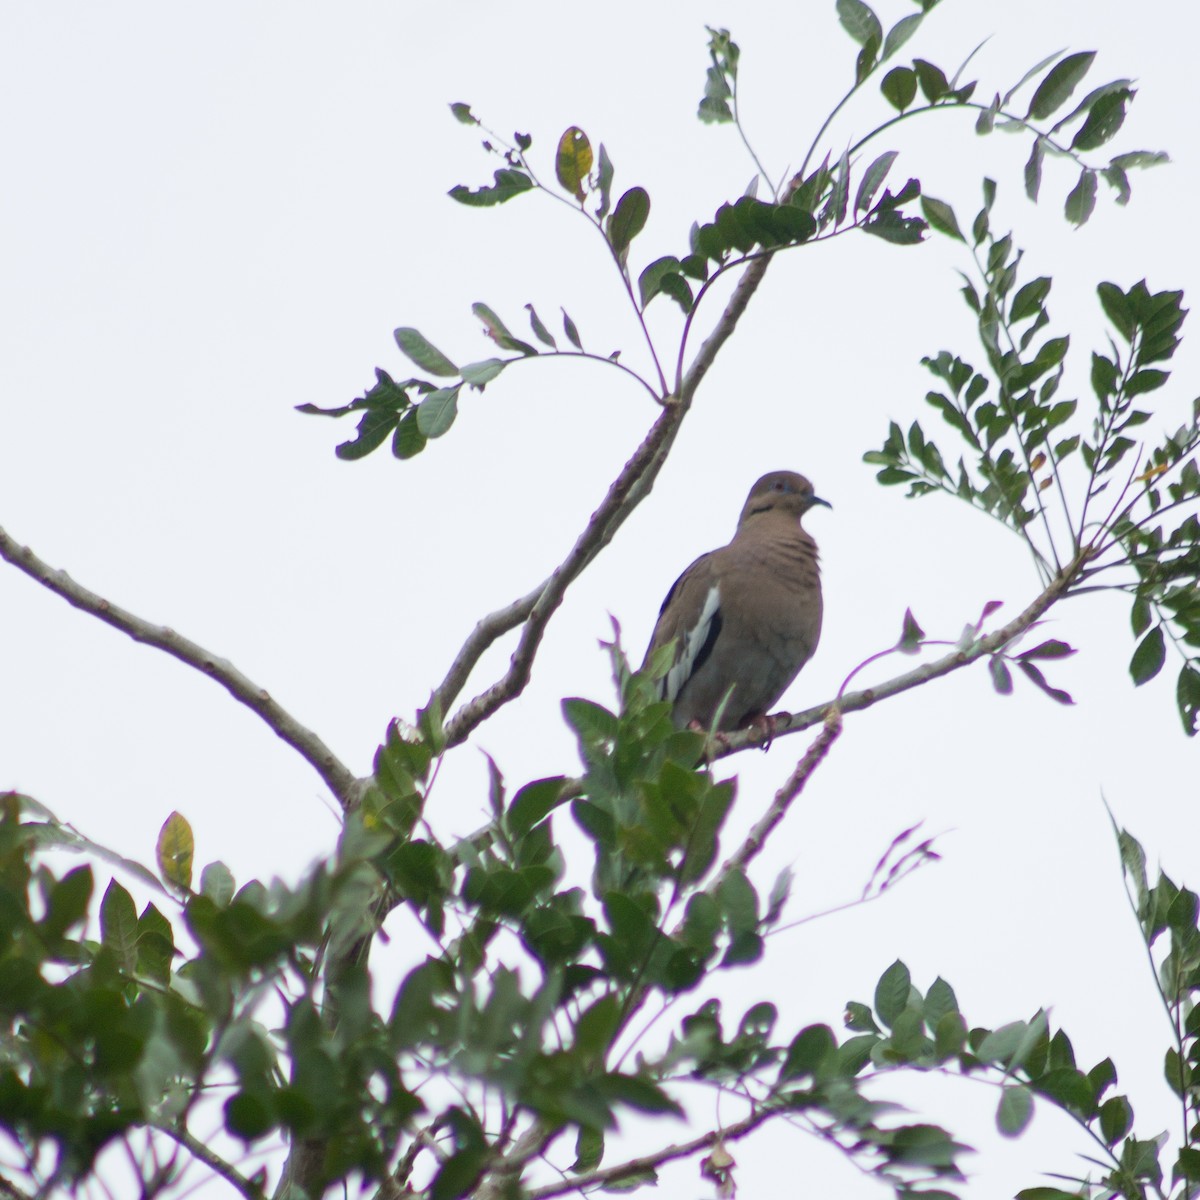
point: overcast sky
(215, 213)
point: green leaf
(1001, 676)
(589, 1149)
(939, 1000)
(941, 216)
(1033, 169)
(119, 926)
(932, 79)
(872, 178)
(650, 281)
(571, 331)
(248, 1117)
(462, 112)
(900, 33)
(808, 1050)
(1106, 117)
(427, 356)
(1014, 1111)
(436, 413)
(1068, 1088)
(604, 178)
(573, 162)
(533, 803)
(540, 331)
(1149, 656)
(498, 331)
(480, 373)
(911, 634)
(1187, 696)
(636, 1092)
(899, 87)
(859, 21)
(1030, 299)
(1000, 1045)
(174, 851)
(1055, 90)
(892, 991)
(1116, 1119)
(408, 439)
(216, 882)
(509, 183)
(459, 1173)
(628, 219)
(1187, 1165)
(1039, 680)
(1082, 199)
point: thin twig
(648, 1162)
(212, 1160)
(785, 723)
(338, 778)
(626, 491)
(813, 756)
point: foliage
(527, 1024)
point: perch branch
(606, 1176)
(338, 778)
(634, 483)
(813, 756)
(784, 723)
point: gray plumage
(744, 618)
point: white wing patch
(690, 645)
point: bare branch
(634, 483)
(625, 493)
(338, 778)
(648, 1162)
(533, 1142)
(784, 723)
(757, 837)
(212, 1160)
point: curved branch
(210, 1159)
(337, 776)
(784, 723)
(627, 491)
(813, 757)
(535, 609)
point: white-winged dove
(744, 618)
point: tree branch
(784, 723)
(635, 1166)
(813, 757)
(536, 609)
(209, 1158)
(338, 778)
(634, 483)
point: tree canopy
(525, 987)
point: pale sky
(216, 213)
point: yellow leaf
(1151, 473)
(175, 849)
(573, 163)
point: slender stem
(606, 1176)
(201, 1152)
(338, 778)
(737, 122)
(1005, 402)
(794, 785)
(785, 723)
